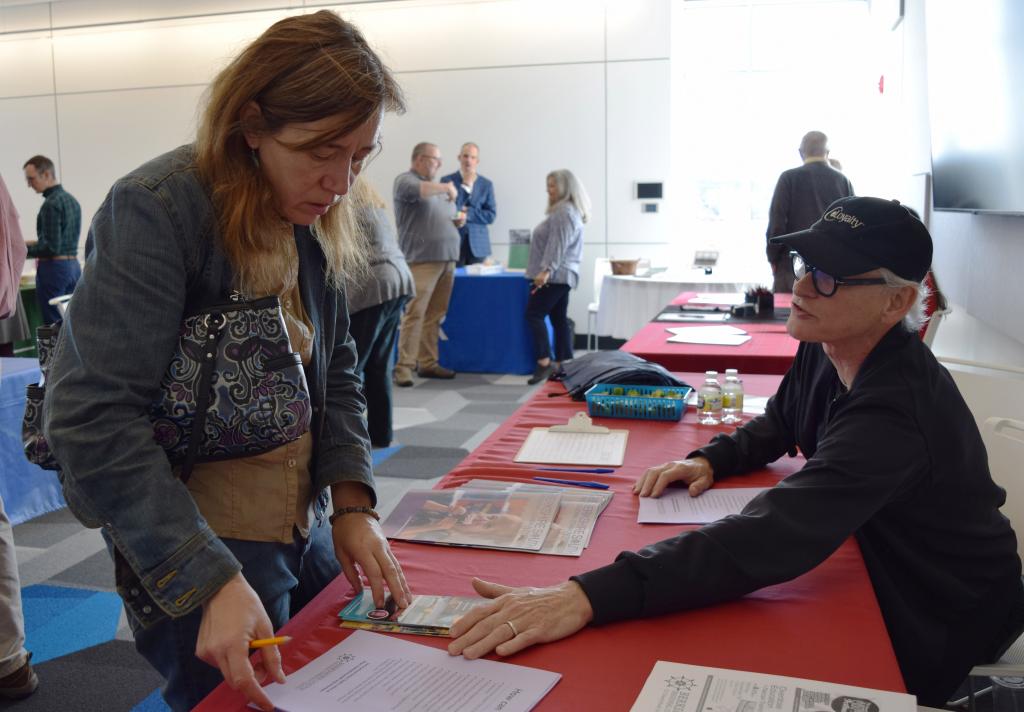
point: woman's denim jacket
(155, 261)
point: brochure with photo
(488, 518)
(426, 615)
(577, 515)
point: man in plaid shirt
(57, 229)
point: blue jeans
(55, 278)
(285, 576)
(375, 331)
(551, 300)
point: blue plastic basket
(617, 400)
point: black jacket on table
(898, 462)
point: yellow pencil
(264, 642)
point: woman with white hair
(554, 268)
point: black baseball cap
(858, 235)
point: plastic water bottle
(709, 400)
(1007, 694)
(732, 397)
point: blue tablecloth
(27, 490)
(485, 329)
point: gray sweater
(425, 228)
(389, 277)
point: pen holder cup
(766, 305)
(617, 400)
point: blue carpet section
(61, 620)
(153, 703)
(384, 453)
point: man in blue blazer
(475, 205)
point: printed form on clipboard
(578, 442)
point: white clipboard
(578, 442)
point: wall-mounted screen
(648, 191)
(976, 100)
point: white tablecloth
(627, 303)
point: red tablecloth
(770, 350)
(824, 625)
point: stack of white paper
(676, 506)
(550, 447)
(714, 335)
(371, 672)
(754, 405)
(732, 299)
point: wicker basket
(624, 266)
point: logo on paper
(680, 682)
(837, 215)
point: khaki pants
(421, 323)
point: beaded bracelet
(353, 510)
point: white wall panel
(152, 54)
(73, 13)
(425, 36)
(638, 29)
(28, 127)
(638, 148)
(526, 79)
(527, 122)
(106, 135)
(22, 18)
(27, 67)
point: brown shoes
(402, 376)
(19, 684)
(436, 371)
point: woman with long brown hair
(255, 207)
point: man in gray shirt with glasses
(429, 237)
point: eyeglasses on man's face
(825, 284)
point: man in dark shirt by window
(801, 196)
(58, 226)
(894, 459)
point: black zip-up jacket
(898, 462)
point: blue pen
(589, 471)
(574, 483)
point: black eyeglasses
(825, 284)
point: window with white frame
(749, 79)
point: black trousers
(466, 256)
(375, 331)
(551, 300)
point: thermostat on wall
(647, 191)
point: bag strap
(214, 324)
